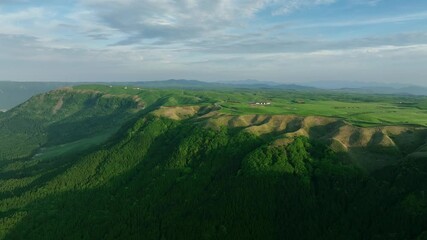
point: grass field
(73, 147)
(360, 113)
(359, 109)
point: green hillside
(14, 93)
(101, 162)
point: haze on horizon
(289, 41)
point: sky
(288, 41)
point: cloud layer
(281, 40)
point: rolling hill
(101, 162)
(15, 93)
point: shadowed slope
(369, 147)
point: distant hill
(176, 83)
(195, 84)
(369, 87)
(372, 88)
(254, 84)
(421, 91)
(15, 93)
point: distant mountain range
(14, 93)
(369, 87)
(194, 84)
(355, 87)
(410, 90)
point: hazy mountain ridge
(370, 87)
(196, 84)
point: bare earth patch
(177, 113)
(369, 147)
(58, 105)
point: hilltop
(14, 93)
(128, 162)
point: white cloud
(366, 2)
(369, 21)
(185, 19)
(205, 39)
(294, 5)
(19, 21)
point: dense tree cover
(158, 178)
(14, 93)
(164, 179)
(59, 117)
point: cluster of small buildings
(261, 103)
(125, 88)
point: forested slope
(191, 173)
(14, 93)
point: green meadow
(74, 147)
(358, 109)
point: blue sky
(291, 41)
